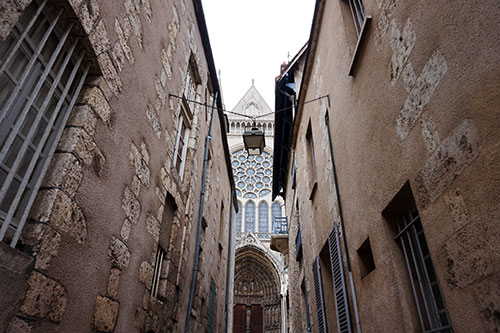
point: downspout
(200, 216)
(229, 257)
(348, 260)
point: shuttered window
(318, 293)
(339, 284)
(42, 70)
(211, 307)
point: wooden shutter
(339, 285)
(211, 307)
(318, 293)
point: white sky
(250, 39)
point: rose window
(252, 174)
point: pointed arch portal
(257, 300)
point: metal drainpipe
(348, 261)
(228, 275)
(200, 216)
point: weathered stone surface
(10, 11)
(421, 90)
(140, 317)
(429, 133)
(64, 214)
(135, 186)
(119, 253)
(153, 120)
(472, 253)
(131, 205)
(153, 226)
(99, 38)
(94, 97)
(448, 161)
(45, 298)
(106, 313)
(138, 161)
(114, 283)
(118, 56)
(125, 231)
(88, 13)
(135, 20)
(18, 325)
(146, 274)
(65, 172)
(109, 72)
(402, 43)
(455, 202)
(78, 141)
(123, 36)
(83, 116)
(45, 243)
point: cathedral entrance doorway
(257, 299)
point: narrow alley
(363, 195)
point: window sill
(359, 45)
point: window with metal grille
(181, 145)
(155, 283)
(263, 217)
(250, 217)
(358, 14)
(429, 299)
(339, 285)
(42, 70)
(318, 294)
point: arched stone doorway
(257, 299)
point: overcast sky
(250, 39)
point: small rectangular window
(366, 262)
(313, 177)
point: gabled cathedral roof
(252, 104)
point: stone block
(94, 97)
(153, 227)
(78, 141)
(118, 56)
(114, 283)
(123, 35)
(106, 313)
(109, 72)
(10, 12)
(17, 325)
(45, 243)
(99, 38)
(119, 253)
(153, 120)
(45, 298)
(88, 13)
(83, 116)
(130, 205)
(472, 253)
(448, 161)
(140, 317)
(65, 172)
(125, 231)
(146, 274)
(135, 20)
(63, 213)
(135, 186)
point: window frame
(181, 124)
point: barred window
(42, 70)
(358, 14)
(157, 272)
(429, 298)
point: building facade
(260, 271)
(104, 151)
(389, 167)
